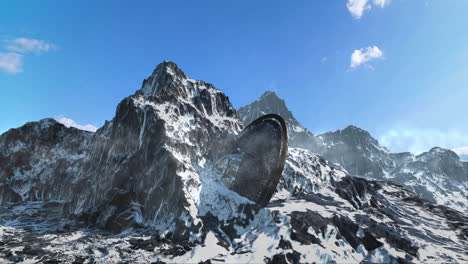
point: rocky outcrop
(41, 161)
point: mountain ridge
(362, 155)
(144, 188)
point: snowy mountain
(145, 188)
(39, 159)
(269, 103)
(439, 176)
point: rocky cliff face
(146, 162)
(270, 103)
(439, 176)
(139, 168)
(41, 161)
(150, 175)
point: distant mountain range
(437, 175)
(144, 189)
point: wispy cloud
(11, 62)
(421, 140)
(25, 45)
(72, 123)
(381, 3)
(363, 56)
(358, 7)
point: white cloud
(71, 123)
(11, 62)
(358, 7)
(421, 140)
(381, 3)
(364, 55)
(24, 45)
(323, 60)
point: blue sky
(398, 69)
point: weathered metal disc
(254, 168)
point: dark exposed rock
(39, 160)
(290, 257)
(300, 223)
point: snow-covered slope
(357, 151)
(145, 188)
(319, 214)
(438, 176)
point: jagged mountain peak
(170, 84)
(353, 130)
(168, 67)
(47, 121)
(268, 103)
(354, 135)
(163, 78)
(41, 124)
(270, 95)
(169, 89)
(438, 154)
(37, 126)
(444, 151)
(271, 98)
